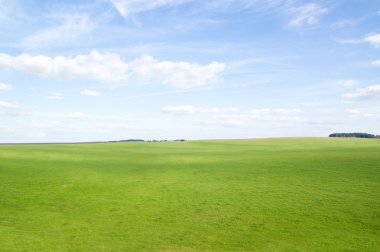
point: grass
(305, 194)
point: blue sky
(168, 69)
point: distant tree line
(359, 135)
(128, 140)
(142, 140)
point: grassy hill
(305, 194)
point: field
(291, 194)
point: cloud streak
(128, 7)
(307, 14)
(190, 109)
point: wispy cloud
(110, 67)
(362, 93)
(76, 115)
(67, 23)
(82, 116)
(307, 14)
(345, 23)
(5, 11)
(10, 11)
(348, 83)
(361, 113)
(87, 92)
(72, 27)
(56, 96)
(5, 86)
(128, 7)
(349, 41)
(183, 109)
(373, 39)
(231, 120)
(64, 127)
(245, 119)
(190, 109)
(4, 129)
(270, 113)
(233, 117)
(376, 63)
(7, 108)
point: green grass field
(309, 194)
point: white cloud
(89, 93)
(7, 108)
(367, 92)
(98, 66)
(360, 113)
(109, 67)
(267, 112)
(56, 96)
(76, 115)
(184, 109)
(5, 86)
(307, 14)
(218, 110)
(344, 83)
(189, 109)
(373, 39)
(7, 105)
(176, 74)
(376, 63)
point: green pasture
(290, 194)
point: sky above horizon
(167, 69)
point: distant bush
(359, 135)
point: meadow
(289, 194)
